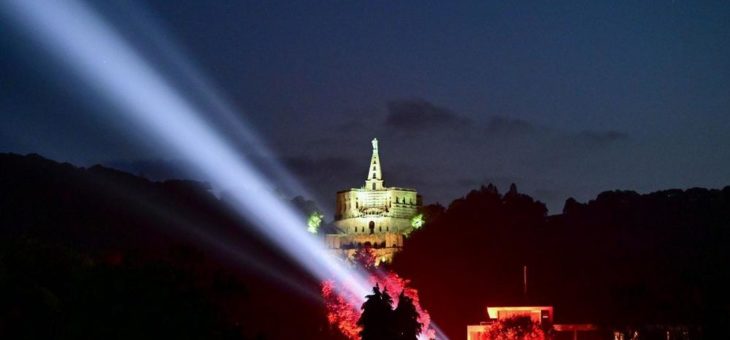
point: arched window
(372, 227)
(373, 186)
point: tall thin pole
(524, 281)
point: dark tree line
(621, 260)
(122, 249)
(379, 321)
(97, 253)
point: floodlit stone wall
(373, 215)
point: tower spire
(375, 177)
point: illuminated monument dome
(373, 215)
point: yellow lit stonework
(373, 215)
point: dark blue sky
(563, 98)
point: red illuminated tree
(515, 328)
(340, 313)
(365, 257)
(350, 320)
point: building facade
(373, 215)
(540, 315)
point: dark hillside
(98, 253)
(623, 259)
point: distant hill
(98, 253)
(623, 259)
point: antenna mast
(524, 281)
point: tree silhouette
(377, 316)
(380, 322)
(405, 318)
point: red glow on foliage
(514, 328)
(394, 284)
(344, 315)
(340, 313)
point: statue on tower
(375, 143)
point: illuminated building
(374, 215)
(540, 315)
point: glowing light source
(313, 222)
(417, 221)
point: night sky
(562, 98)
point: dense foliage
(405, 322)
(622, 260)
(515, 328)
(100, 254)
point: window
(373, 186)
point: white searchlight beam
(101, 58)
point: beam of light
(201, 233)
(221, 107)
(101, 58)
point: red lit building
(542, 316)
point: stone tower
(373, 215)
(375, 176)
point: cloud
(602, 137)
(416, 114)
(325, 176)
(323, 167)
(509, 126)
(444, 154)
(420, 115)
